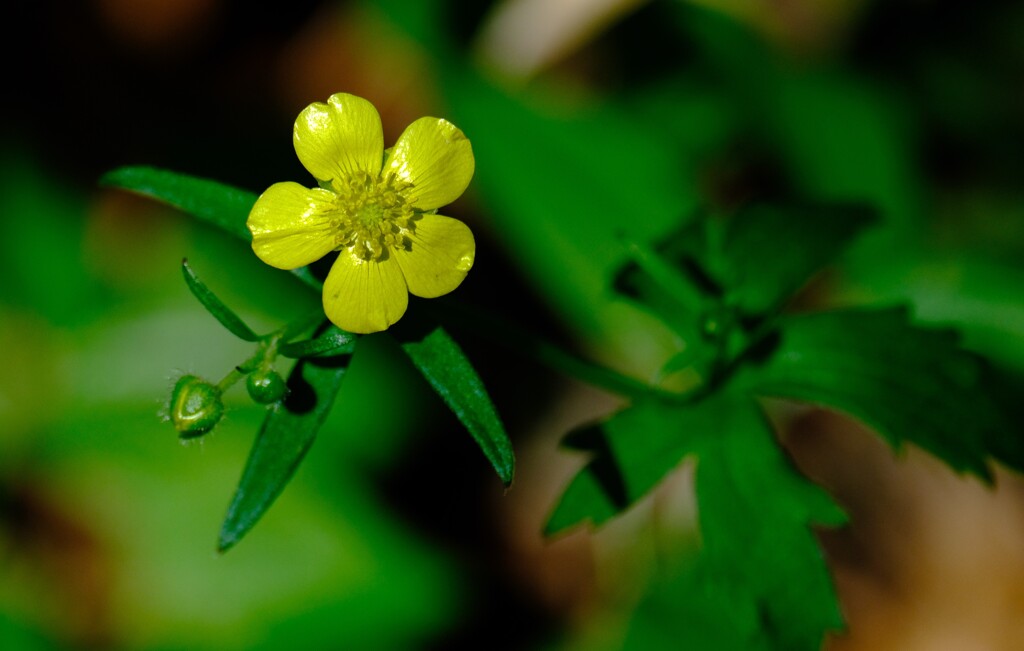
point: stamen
(373, 215)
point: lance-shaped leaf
(449, 372)
(283, 440)
(334, 341)
(221, 205)
(215, 306)
(909, 383)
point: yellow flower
(380, 214)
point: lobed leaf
(632, 452)
(759, 555)
(910, 383)
(286, 435)
(754, 261)
(449, 372)
(695, 609)
(1004, 386)
(768, 252)
(215, 306)
(756, 515)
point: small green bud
(265, 386)
(195, 406)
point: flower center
(370, 214)
(373, 215)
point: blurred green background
(593, 123)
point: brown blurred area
(40, 538)
(930, 560)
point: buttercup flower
(379, 213)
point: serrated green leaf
(759, 556)
(449, 372)
(216, 203)
(1005, 386)
(286, 435)
(695, 609)
(768, 252)
(756, 515)
(910, 383)
(215, 306)
(334, 341)
(753, 261)
(632, 452)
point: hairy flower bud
(265, 386)
(195, 406)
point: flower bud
(195, 406)
(265, 386)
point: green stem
(231, 378)
(666, 276)
(267, 348)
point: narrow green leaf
(910, 383)
(283, 440)
(450, 373)
(334, 341)
(221, 205)
(216, 203)
(215, 306)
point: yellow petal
(339, 138)
(291, 225)
(440, 254)
(436, 157)
(364, 297)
